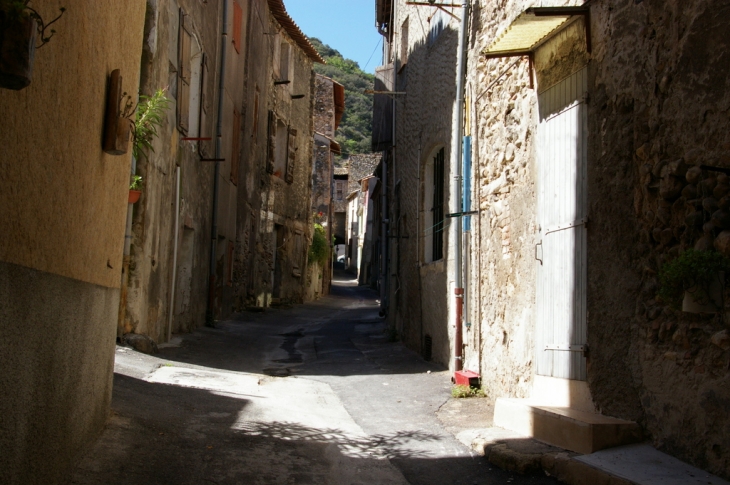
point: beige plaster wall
(64, 202)
(63, 212)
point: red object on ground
(466, 378)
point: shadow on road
(341, 334)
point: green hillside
(355, 131)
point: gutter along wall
(63, 217)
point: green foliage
(318, 249)
(149, 117)
(136, 183)
(460, 391)
(690, 269)
(21, 8)
(355, 131)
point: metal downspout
(210, 313)
(174, 253)
(456, 163)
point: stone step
(564, 427)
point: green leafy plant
(136, 182)
(318, 249)
(461, 391)
(149, 116)
(692, 270)
(17, 9)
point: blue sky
(345, 25)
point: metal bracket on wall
(579, 222)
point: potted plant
(135, 187)
(148, 116)
(694, 281)
(20, 28)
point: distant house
(329, 106)
(272, 208)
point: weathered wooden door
(561, 250)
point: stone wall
(419, 293)
(273, 214)
(153, 246)
(659, 103)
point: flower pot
(701, 300)
(134, 195)
(17, 50)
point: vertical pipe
(174, 253)
(210, 313)
(456, 151)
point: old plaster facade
(63, 212)
(642, 99)
(273, 222)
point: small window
(281, 147)
(235, 155)
(285, 62)
(237, 23)
(433, 207)
(404, 44)
(229, 269)
(254, 133)
(184, 74)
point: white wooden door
(560, 254)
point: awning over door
(532, 28)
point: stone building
(419, 59)
(600, 152)
(273, 202)
(329, 107)
(359, 216)
(167, 283)
(63, 215)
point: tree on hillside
(355, 131)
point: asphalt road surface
(308, 394)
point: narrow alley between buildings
(316, 393)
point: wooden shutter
(291, 156)
(235, 146)
(271, 156)
(183, 73)
(237, 22)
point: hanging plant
(318, 249)
(148, 117)
(21, 28)
(693, 275)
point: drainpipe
(456, 159)
(122, 314)
(174, 253)
(210, 313)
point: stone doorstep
(564, 427)
(638, 464)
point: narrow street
(311, 394)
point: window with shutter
(184, 73)
(291, 156)
(438, 205)
(271, 155)
(237, 22)
(235, 146)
